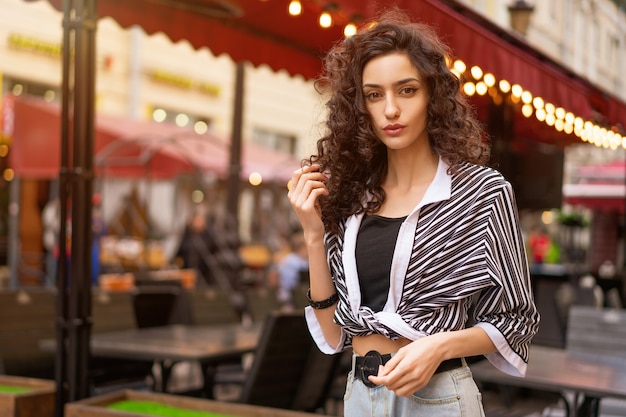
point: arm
(307, 185)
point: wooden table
(591, 377)
(209, 345)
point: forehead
(389, 68)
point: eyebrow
(395, 84)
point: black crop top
(375, 245)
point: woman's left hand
(411, 368)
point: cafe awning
(598, 187)
(131, 148)
(262, 32)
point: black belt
(367, 365)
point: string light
(489, 79)
(459, 66)
(295, 8)
(505, 86)
(517, 90)
(469, 88)
(255, 178)
(476, 72)
(349, 30)
(481, 88)
(326, 20)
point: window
(200, 124)
(23, 87)
(275, 140)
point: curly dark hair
(350, 152)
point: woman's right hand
(307, 185)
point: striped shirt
(459, 261)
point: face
(397, 100)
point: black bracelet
(318, 305)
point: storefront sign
(33, 45)
(184, 83)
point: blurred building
(150, 79)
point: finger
(307, 198)
(305, 184)
(302, 175)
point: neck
(407, 169)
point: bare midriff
(383, 345)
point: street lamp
(519, 14)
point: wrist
(322, 304)
(313, 238)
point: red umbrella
(132, 148)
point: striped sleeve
(507, 311)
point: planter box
(96, 406)
(37, 402)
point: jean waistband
(367, 365)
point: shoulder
(478, 176)
(478, 172)
(481, 185)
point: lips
(393, 130)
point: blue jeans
(448, 394)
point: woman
(416, 258)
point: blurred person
(98, 229)
(540, 244)
(416, 257)
(289, 270)
(213, 253)
(196, 244)
(50, 219)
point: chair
(288, 370)
(211, 306)
(261, 302)
(154, 305)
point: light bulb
(295, 8)
(326, 20)
(349, 30)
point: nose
(392, 110)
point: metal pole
(75, 187)
(234, 171)
(64, 192)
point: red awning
(131, 148)
(598, 187)
(266, 34)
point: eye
(372, 95)
(407, 91)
